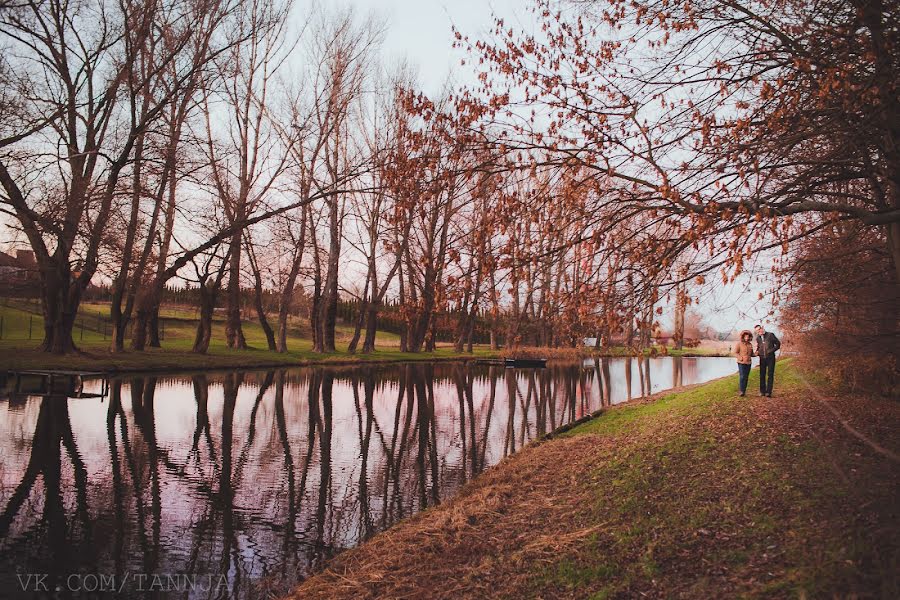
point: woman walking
(744, 353)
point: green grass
(698, 475)
(177, 324)
(699, 401)
(19, 352)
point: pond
(240, 484)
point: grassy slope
(17, 352)
(701, 494)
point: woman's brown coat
(744, 350)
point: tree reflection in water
(263, 476)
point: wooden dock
(50, 383)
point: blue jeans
(743, 376)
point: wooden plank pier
(50, 383)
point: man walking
(766, 347)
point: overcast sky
(420, 30)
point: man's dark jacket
(767, 344)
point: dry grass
(500, 526)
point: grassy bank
(21, 329)
(169, 359)
(18, 349)
(700, 494)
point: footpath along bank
(699, 494)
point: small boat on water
(527, 363)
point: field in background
(18, 350)
(22, 321)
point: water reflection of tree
(143, 395)
(394, 507)
(427, 436)
(52, 436)
(365, 413)
(601, 367)
(324, 468)
(464, 378)
(677, 371)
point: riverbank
(21, 328)
(168, 359)
(699, 494)
(614, 352)
(17, 356)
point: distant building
(18, 273)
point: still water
(239, 484)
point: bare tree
(295, 244)
(381, 216)
(345, 48)
(91, 68)
(246, 156)
(210, 270)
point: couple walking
(766, 347)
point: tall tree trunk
(680, 308)
(263, 320)
(209, 292)
(204, 324)
(473, 311)
(462, 326)
(258, 296)
(60, 299)
(431, 339)
(470, 334)
(119, 318)
(153, 327)
(315, 320)
(495, 312)
(360, 317)
(148, 298)
(284, 311)
(234, 333)
(404, 331)
(141, 318)
(425, 314)
(328, 306)
(287, 293)
(371, 327)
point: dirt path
(700, 495)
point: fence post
(1, 327)
(30, 321)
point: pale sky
(420, 31)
